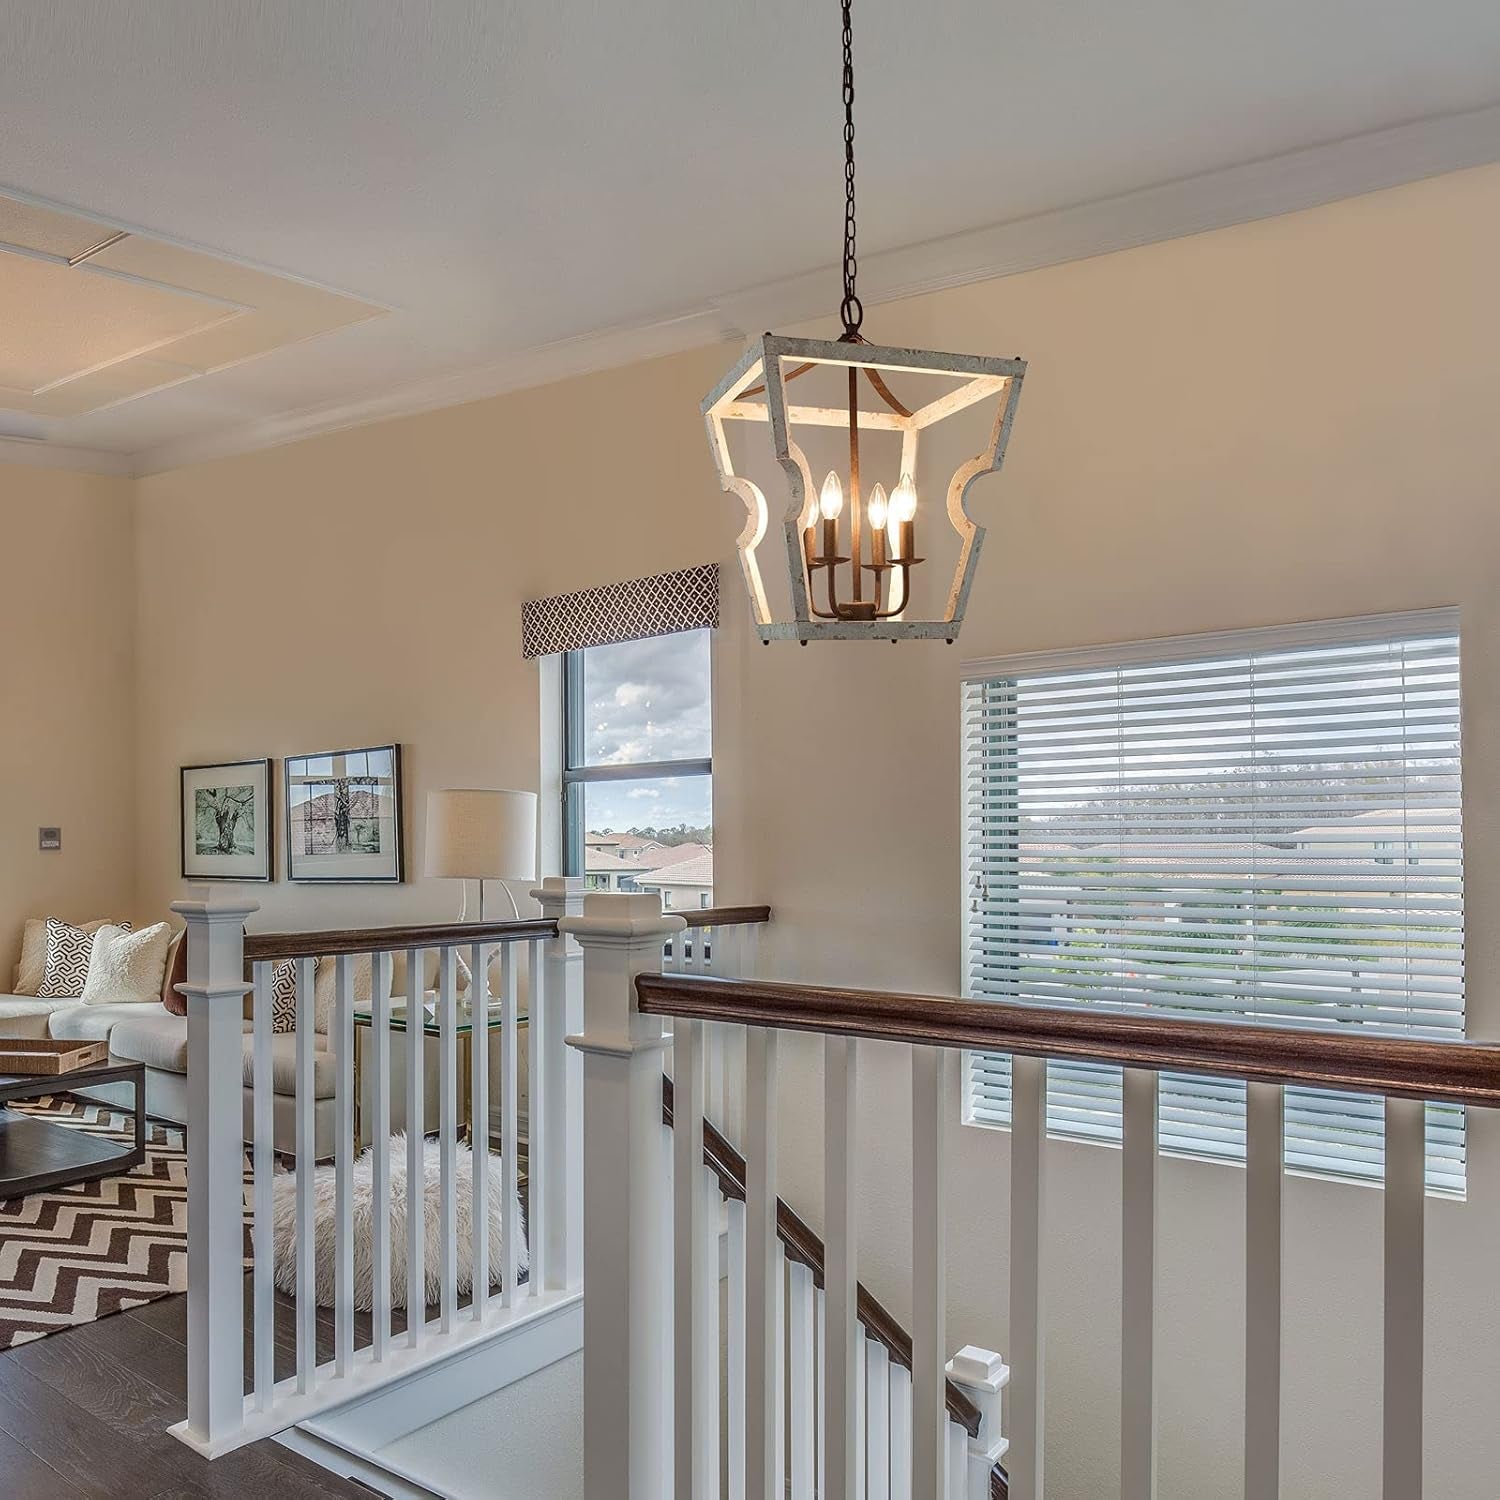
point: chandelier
(852, 544)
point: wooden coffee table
(37, 1153)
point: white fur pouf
(284, 1225)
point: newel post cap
(216, 904)
(622, 918)
(559, 895)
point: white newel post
(981, 1375)
(625, 1353)
(215, 992)
(560, 898)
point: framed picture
(343, 815)
(226, 821)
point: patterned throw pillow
(284, 997)
(68, 950)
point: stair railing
(269, 1129)
(651, 1389)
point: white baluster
(841, 1358)
(820, 1338)
(762, 1387)
(416, 1173)
(877, 1407)
(1027, 1196)
(734, 1340)
(708, 1332)
(510, 1231)
(537, 1145)
(263, 1144)
(1263, 1250)
(479, 1130)
(801, 1393)
(307, 1301)
(215, 993)
(379, 1074)
(955, 1461)
(692, 1458)
(625, 1311)
(343, 1163)
(982, 1376)
(929, 1414)
(562, 1090)
(900, 1379)
(1138, 1162)
(861, 1434)
(1405, 1209)
(448, 1127)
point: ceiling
(509, 191)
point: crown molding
(40, 454)
(1214, 200)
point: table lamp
(474, 833)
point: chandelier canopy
(851, 541)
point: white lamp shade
(478, 834)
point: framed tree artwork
(343, 815)
(227, 827)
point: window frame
(576, 775)
(1406, 625)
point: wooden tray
(45, 1056)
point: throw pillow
(32, 964)
(325, 987)
(284, 997)
(67, 963)
(127, 968)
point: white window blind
(1264, 826)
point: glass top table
(463, 1029)
(364, 1015)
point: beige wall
(1289, 420)
(67, 746)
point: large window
(1264, 826)
(638, 768)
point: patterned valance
(662, 605)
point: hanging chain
(850, 309)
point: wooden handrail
(801, 1244)
(261, 946)
(279, 945)
(1459, 1072)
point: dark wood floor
(85, 1413)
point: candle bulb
(831, 503)
(878, 512)
(903, 510)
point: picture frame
(226, 822)
(344, 816)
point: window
(1264, 825)
(638, 769)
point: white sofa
(152, 1035)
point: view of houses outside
(647, 704)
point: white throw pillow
(127, 967)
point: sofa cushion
(25, 1015)
(284, 1065)
(154, 1037)
(90, 1023)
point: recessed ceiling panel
(47, 230)
(60, 323)
(91, 316)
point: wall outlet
(49, 838)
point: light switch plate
(49, 838)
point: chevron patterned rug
(75, 1254)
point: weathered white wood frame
(761, 364)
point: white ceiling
(535, 188)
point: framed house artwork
(226, 823)
(343, 815)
